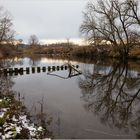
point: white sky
(48, 19)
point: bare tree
(33, 40)
(134, 10)
(114, 21)
(6, 31)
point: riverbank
(102, 51)
(70, 51)
(8, 50)
(15, 119)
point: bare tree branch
(114, 21)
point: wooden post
(44, 69)
(16, 71)
(53, 68)
(62, 67)
(49, 68)
(77, 66)
(11, 72)
(21, 71)
(57, 68)
(66, 67)
(33, 69)
(38, 69)
(27, 70)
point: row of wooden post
(16, 71)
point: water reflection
(15, 119)
(110, 91)
(113, 93)
(72, 70)
(9, 62)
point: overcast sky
(48, 19)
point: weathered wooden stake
(33, 69)
(49, 68)
(38, 69)
(62, 67)
(66, 67)
(53, 68)
(21, 71)
(57, 68)
(16, 71)
(44, 69)
(27, 70)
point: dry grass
(135, 53)
(71, 50)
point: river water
(92, 99)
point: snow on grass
(14, 124)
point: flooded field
(75, 99)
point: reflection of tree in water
(9, 62)
(114, 95)
(34, 60)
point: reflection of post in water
(115, 95)
(73, 71)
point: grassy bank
(14, 120)
(8, 50)
(69, 50)
(103, 51)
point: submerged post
(27, 70)
(57, 68)
(62, 67)
(16, 71)
(44, 69)
(33, 69)
(38, 69)
(21, 70)
(66, 67)
(49, 68)
(53, 68)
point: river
(92, 99)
